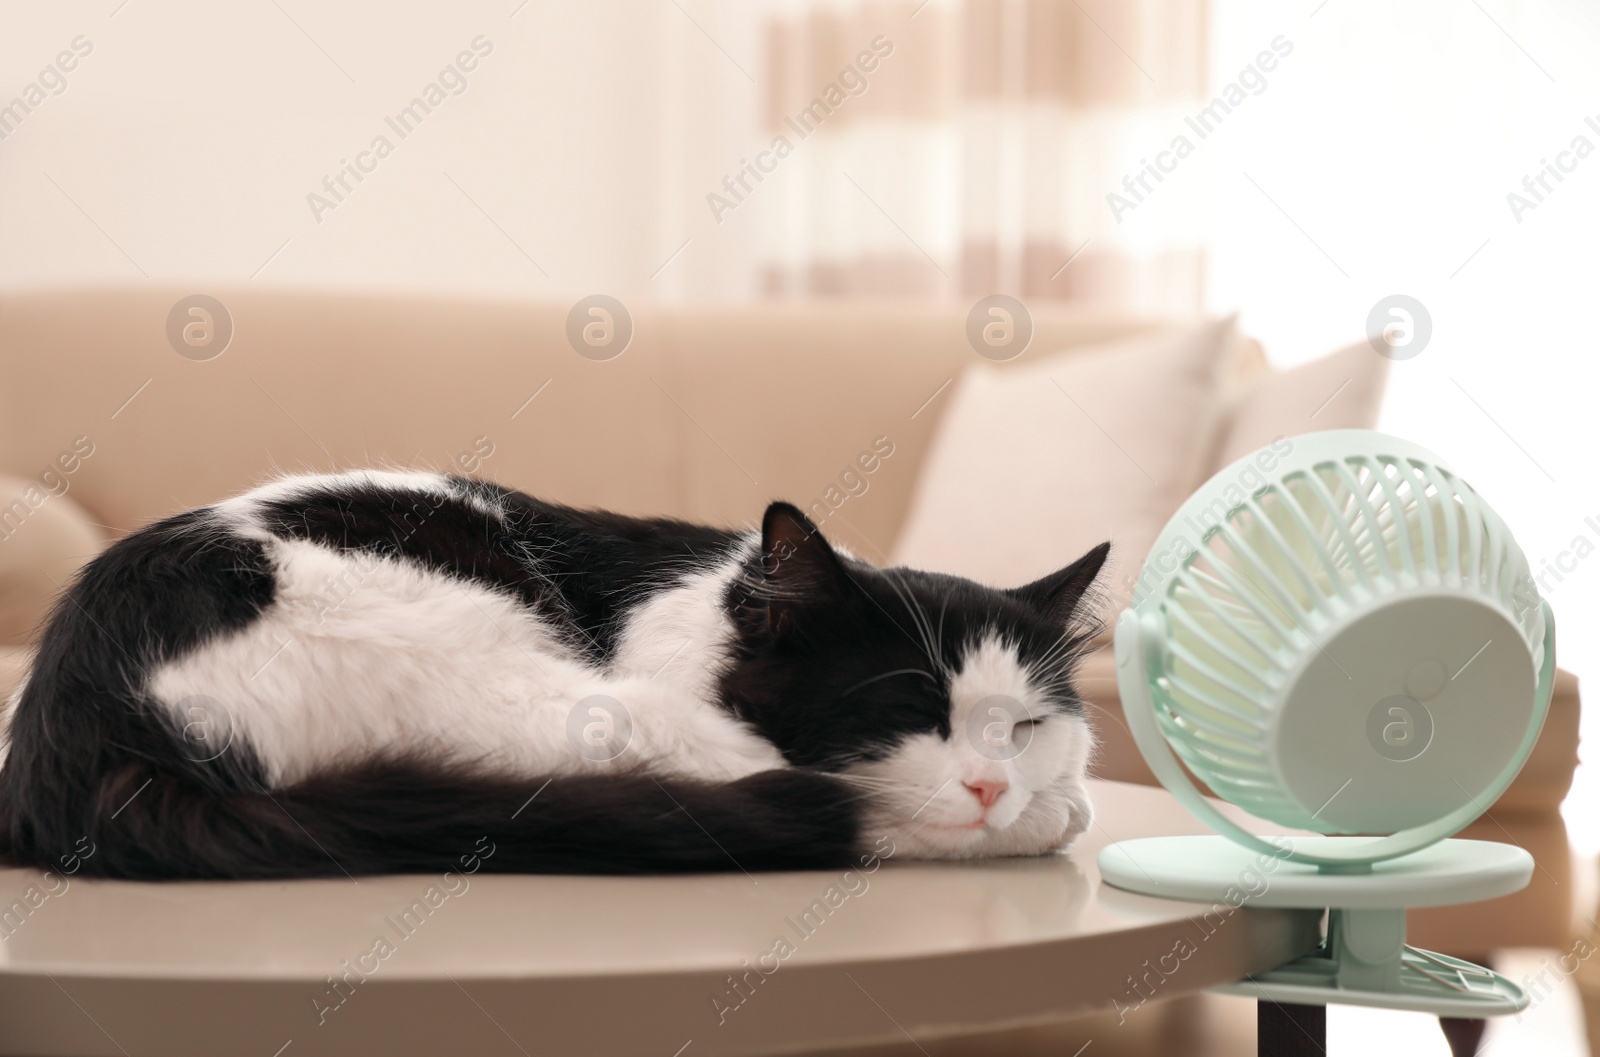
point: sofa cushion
(1340, 391)
(1035, 463)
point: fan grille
(1277, 567)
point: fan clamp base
(1363, 959)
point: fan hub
(1405, 713)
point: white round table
(702, 965)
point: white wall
(1392, 136)
(185, 145)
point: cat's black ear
(797, 564)
(1059, 593)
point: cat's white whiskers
(867, 779)
(918, 619)
(944, 604)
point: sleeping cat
(369, 672)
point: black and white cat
(368, 672)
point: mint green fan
(1341, 639)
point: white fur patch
(297, 484)
(682, 636)
(926, 786)
(361, 656)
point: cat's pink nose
(987, 791)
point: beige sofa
(709, 413)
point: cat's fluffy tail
(400, 818)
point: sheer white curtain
(981, 149)
(953, 147)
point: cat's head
(948, 703)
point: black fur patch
(83, 735)
(401, 817)
(580, 569)
(838, 661)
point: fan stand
(1363, 959)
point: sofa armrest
(45, 538)
(14, 661)
(1546, 777)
